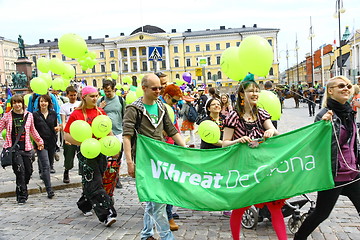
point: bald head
(149, 80)
(151, 86)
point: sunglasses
(174, 100)
(156, 88)
(342, 85)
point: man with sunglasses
(148, 116)
(163, 80)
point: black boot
(66, 178)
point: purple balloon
(187, 77)
(182, 87)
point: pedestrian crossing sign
(155, 53)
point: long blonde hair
(329, 84)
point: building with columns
(128, 55)
(8, 57)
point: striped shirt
(6, 122)
(243, 128)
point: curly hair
(244, 85)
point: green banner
(237, 176)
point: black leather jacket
(334, 146)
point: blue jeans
(155, 213)
(44, 166)
(169, 211)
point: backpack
(192, 114)
(121, 102)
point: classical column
(137, 59)
(167, 58)
(120, 62)
(128, 59)
(147, 59)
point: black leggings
(325, 203)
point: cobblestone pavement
(59, 218)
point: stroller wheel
(304, 216)
(294, 225)
(250, 218)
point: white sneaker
(108, 222)
(88, 214)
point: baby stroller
(254, 215)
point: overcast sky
(49, 19)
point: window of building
(271, 72)
(176, 49)
(124, 53)
(143, 51)
(94, 83)
(144, 66)
(34, 59)
(209, 61)
(176, 62)
(177, 75)
(237, 44)
(270, 42)
(187, 48)
(207, 47)
(218, 46)
(218, 60)
(133, 52)
(112, 54)
(102, 67)
(199, 78)
(135, 66)
(188, 62)
(113, 67)
(63, 57)
(125, 67)
(197, 48)
(227, 45)
(101, 54)
(93, 70)
(163, 64)
(83, 71)
(209, 75)
(219, 75)
(53, 56)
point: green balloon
(101, 126)
(118, 86)
(133, 88)
(209, 131)
(72, 45)
(130, 97)
(139, 92)
(26, 99)
(91, 54)
(47, 78)
(110, 145)
(57, 66)
(90, 148)
(118, 92)
(179, 82)
(114, 75)
(80, 130)
(231, 65)
(271, 103)
(3, 133)
(43, 64)
(38, 85)
(127, 79)
(69, 72)
(58, 83)
(256, 55)
(102, 93)
(171, 112)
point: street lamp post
(311, 36)
(338, 10)
(297, 58)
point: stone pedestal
(24, 65)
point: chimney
(55, 39)
(106, 36)
(41, 40)
(255, 25)
(89, 37)
(48, 40)
(243, 26)
(189, 30)
(122, 34)
(208, 29)
(222, 27)
(173, 30)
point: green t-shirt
(153, 112)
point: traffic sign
(202, 61)
(155, 53)
(198, 72)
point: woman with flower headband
(246, 123)
(94, 195)
(344, 154)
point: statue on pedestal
(19, 80)
(23, 80)
(21, 47)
